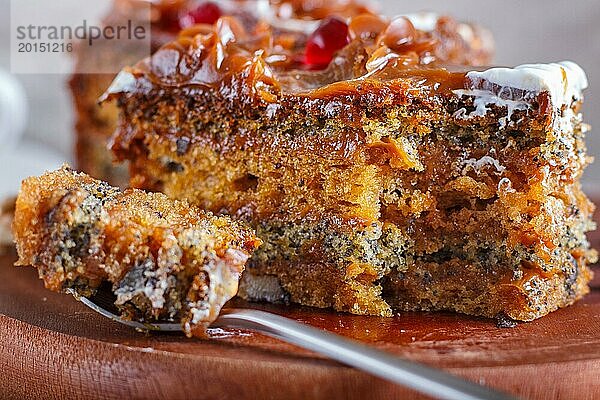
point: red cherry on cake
(330, 36)
(205, 13)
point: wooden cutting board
(51, 346)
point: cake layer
(349, 161)
(164, 259)
(449, 285)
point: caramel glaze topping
(270, 61)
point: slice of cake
(381, 170)
(94, 124)
(166, 260)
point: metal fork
(423, 379)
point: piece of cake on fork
(166, 260)
(382, 170)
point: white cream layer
(564, 81)
(516, 88)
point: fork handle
(418, 377)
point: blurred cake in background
(94, 124)
(7, 211)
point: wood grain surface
(52, 347)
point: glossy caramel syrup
(269, 60)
